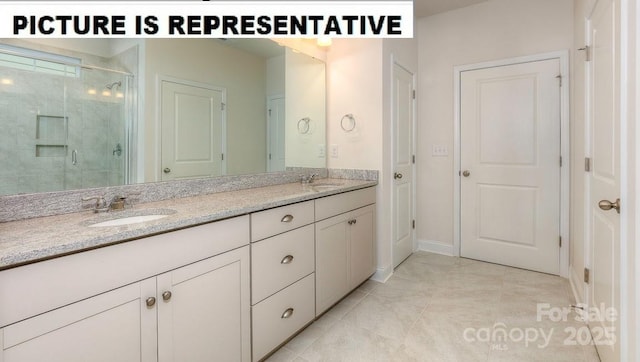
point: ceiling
(424, 8)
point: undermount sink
(132, 217)
(326, 186)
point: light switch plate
(439, 151)
(334, 151)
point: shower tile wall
(96, 124)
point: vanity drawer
(279, 261)
(330, 206)
(272, 326)
(281, 219)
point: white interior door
(604, 178)
(276, 141)
(192, 131)
(402, 164)
(510, 163)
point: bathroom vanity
(226, 277)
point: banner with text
(219, 19)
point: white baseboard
(577, 286)
(383, 274)
(436, 247)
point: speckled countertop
(31, 240)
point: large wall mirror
(82, 113)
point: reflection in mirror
(208, 107)
(64, 125)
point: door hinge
(413, 94)
(222, 157)
(587, 164)
(587, 52)
(560, 161)
(559, 76)
(413, 224)
(560, 241)
(413, 159)
(586, 275)
(222, 106)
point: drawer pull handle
(287, 313)
(166, 296)
(287, 259)
(150, 301)
(287, 218)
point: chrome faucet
(308, 179)
(117, 203)
(101, 203)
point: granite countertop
(32, 240)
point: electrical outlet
(439, 151)
(321, 150)
(334, 151)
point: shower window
(39, 61)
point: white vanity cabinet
(282, 274)
(179, 296)
(114, 326)
(345, 250)
(203, 310)
(230, 290)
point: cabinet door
(204, 310)
(332, 261)
(114, 326)
(362, 250)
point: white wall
(492, 30)
(305, 97)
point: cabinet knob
(287, 259)
(166, 295)
(150, 301)
(166, 170)
(287, 218)
(351, 222)
(287, 313)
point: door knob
(466, 173)
(397, 176)
(607, 205)
(167, 170)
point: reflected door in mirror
(276, 119)
(192, 131)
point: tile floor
(439, 308)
